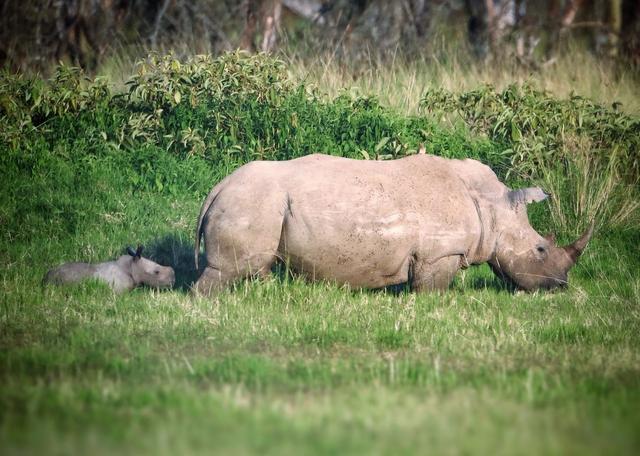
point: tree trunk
(248, 35)
(615, 26)
(267, 15)
(630, 33)
(271, 24)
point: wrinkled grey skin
(124, 274)
(372, 224)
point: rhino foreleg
(437, 275)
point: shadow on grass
(285, 275)
(481, 277)
(173, 251)
(489, 283)
(475, 283)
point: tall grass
(589, 189)
(400, 83)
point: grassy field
(282, 366)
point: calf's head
(521, 255)
(146, 272)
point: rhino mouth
(528, 281)
(162, 284)
(168, 284)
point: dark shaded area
(397, 289)
(172, 250)
(492, 282)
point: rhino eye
(541, 249)
(156, 272)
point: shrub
(73, 148)
(578, 150)
(178, 128)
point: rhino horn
(575, 250)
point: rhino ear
(523, 196)
(131, 252)
(139, 251)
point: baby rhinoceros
(123, 274)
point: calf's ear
(524, 196)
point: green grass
(289, 367)
(282, 366)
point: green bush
(540, 128)
(583, 153)
(240, 107)
(73, 147)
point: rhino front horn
(575, 250)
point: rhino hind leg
(212, 280)
(240, 248)
(438, 275)
(215, 279)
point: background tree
(35, 34)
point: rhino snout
(165, 277)
(152, 274)
(541, 264)
(530, 281)
(552, 281)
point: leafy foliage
(75, 147)
(540, 128)
(582, 151)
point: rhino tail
(211, 197)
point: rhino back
(116, 274)
(480, 179)
(69, 273)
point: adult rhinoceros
(376, 223)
